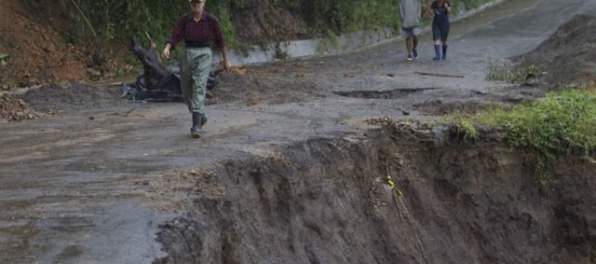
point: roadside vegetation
(4, 59)
(505, 71)
(109, 21)
(563, 122)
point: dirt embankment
(38, 53)
(569, 55)
(327, 201)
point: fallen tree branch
(125, 114)
(440, 74)
(84, 18)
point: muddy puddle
(386, 94)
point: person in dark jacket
(198, 29)
(441, 10)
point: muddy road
(93, 182)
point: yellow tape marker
(392, 184)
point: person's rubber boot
(444, 52)
(437, 52)
(203, 120)
(196, 125)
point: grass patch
(4, 59)
(563, 122)
(467, 131)
(506, 71)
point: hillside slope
(38, 54)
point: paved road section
(74, 190)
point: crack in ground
(385, 94)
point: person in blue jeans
(441, 10)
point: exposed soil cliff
(328, 201)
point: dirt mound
(569, 55)
(38, 54)
(14, 109)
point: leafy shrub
(505, 71)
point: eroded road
(83, 187)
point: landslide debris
(568, 55)
(14, 109)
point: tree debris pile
(158, 83)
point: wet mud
(391, 94)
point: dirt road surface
(87, 185)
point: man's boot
(197, 123)
(203, 120)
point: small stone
(93, 72)
(50, 48)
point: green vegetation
(505, 71)
(106, 21)
(4, 59)
(563, 122)
(116, 21)
(467, 131)
(280, 54)
(350, 15)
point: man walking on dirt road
(410, 11)
(198, 29)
